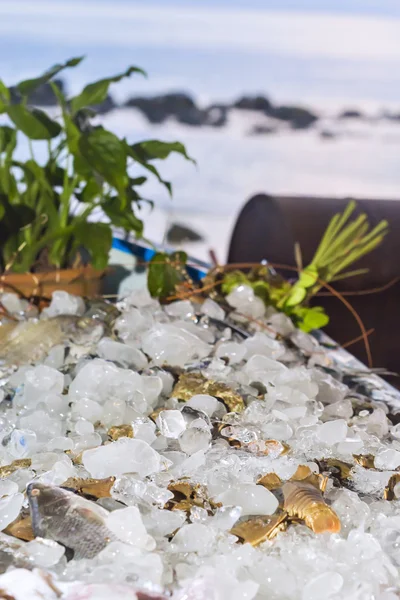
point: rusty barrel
(268, 227)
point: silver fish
(64, 517)
(30, 341)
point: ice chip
(126, 455)
(127, 525)
(171, 423)
(10, 507)
(232, 351)
(323, 586)
(205, 403)
(225, 517)
(63, 303)
(194, 537)
(46, 553)
(212, 309)
(182, 309)
(241, 296)
(253, 499)
(333, 432)
(387, 459)
(263, 345)
(194, 439)
(125, 355)
(39, 381)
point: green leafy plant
(344, 242)
(85, 164)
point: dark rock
(217, 115)
(259, 103)
(351, 114)
(106, 106)
(158, 108)
(299, 118)
(325, 134)
(391, 116)
(180, 233)
(262, 130)
(42, 96)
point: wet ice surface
(182, 467)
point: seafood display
(191, 452)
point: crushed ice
(183, 472)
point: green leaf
(308, 277)
(122, 217)
(97, 239)
(154, 149)
(262, 290)
(311, 318)
(7, 135)
(4, 97)
(296, 296)
(163, 274)
(232, 280)
(27, 86)
(34, 123)
(138, 157)
(96, 92)
(91, 191)
(106, 154)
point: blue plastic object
(197, 269)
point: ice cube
(205, 403)
(232, 351)
(253, 499)
(21, 443)
(173, 345)
(144, 429)
(225, 517)
(126, 455)
(55, 357)
(264, 369)
(194, 537)
(125, 355)
(387, 459)
(182, 309)
(87, 409)
(13, 304)
(263, 345)
(152, 388)
(342, 409)
(10, 507)
(194, 439)
(127, 525)
(132, 323)
(323, 586)
(212, 309)
(83, 426)
(44, 552)
(171, 423)
(160, 523)
(333, 432)
(39, 381)
(7, 487)
(241, 296)
(63, 303)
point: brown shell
(22, 463)
(388, 494)
(98, 488)
(256, 530)
(21, 528)
(190, 384)
(304, 501)
(117, 431)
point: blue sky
(294, 50)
